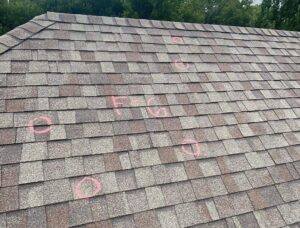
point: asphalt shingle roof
(113, 122)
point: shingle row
(69, 18)
(189, 212)
(235, 97)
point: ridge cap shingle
(77, 18)
(23, 32)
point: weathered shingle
(144, 177)
(265, 197)
(137, 200)
(233, 204)
(79, 212)
(146, 219)
(10, 175)
(10, 199)
(109, 182)
(290, 212)
(259, 177)
(117, 204)
(167, 217)
(155, 197)
(186, 214)
(36, 217)
(269, 217)
(99, 208)
(31, 172)
(58, 215)
(57, 191)
(34, 151)
(31, 195)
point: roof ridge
(40, 22)
(23, 32)
(88, 19)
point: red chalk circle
(83, 196)
(156, 113)
(46, 119)
(181, 66)
(190, 142)
(177, 40)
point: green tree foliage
(137, 8)
(229, 12)
(290, 15)
(16, 12)
(153, 9)
(256, 11)
(279, 14)
(192, 11)
(91, 7)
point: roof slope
(115, 122)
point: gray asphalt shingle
(122, 101)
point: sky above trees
(257, 1)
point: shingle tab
(146, 219)
(186, 214)
(259, 177)
(236, 182)
(10, 175)
(171, 194)
(59, 149)
(126, 221)
(167, 218)
(57, 191)
(137, 200)
(54, 169)
(57, 215)
(79, 212)
(31, 195)
(93, 164)
(246, 219)
(36, 217)
(34, 151)
(290, 212)
(101, 145)
(126, 180)
(117, 204)
(269, 217)
(265, 197)
(99, 208)
(144, 177)
(232, 205)
(81, 147)
(289, 191)
(10, 199)
(109, 182)
(74, 166)
(155, 197)
(280, 173)
(31, 172)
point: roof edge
(23, 32)
(40, 22)
(88, 19)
